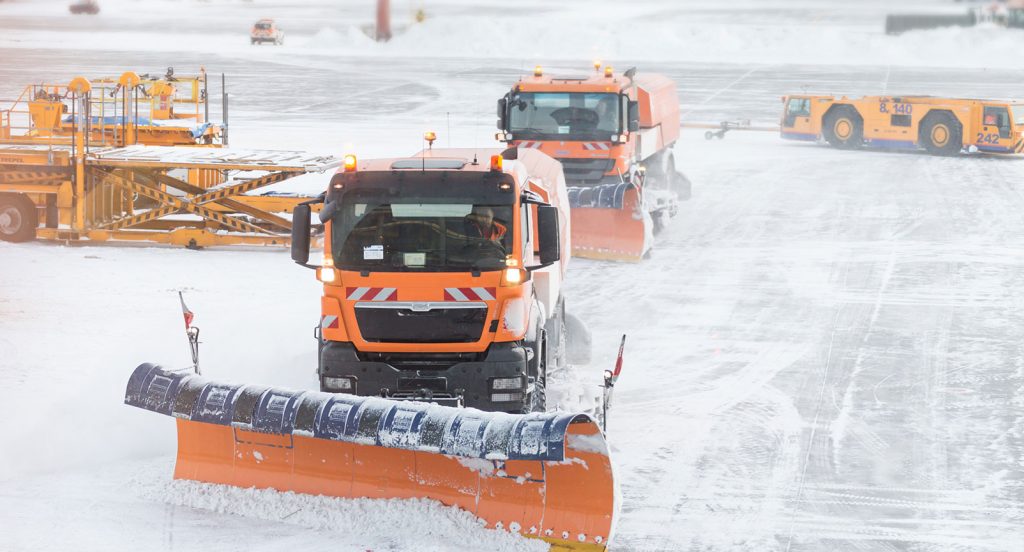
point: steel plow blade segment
(609, 224)
(546, 476)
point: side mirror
(634, 116)
(548, 235)
(300, 234)
(503, 113)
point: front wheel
(18, 218)
(681, 186)
(578, 341)
(843, 128)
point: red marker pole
(191, 332)
(610, 377)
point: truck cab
(442, 277)
(266, 30)
(613, 134)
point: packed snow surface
(824, 351)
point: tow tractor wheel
(941, 134)
(843, 127)
(18, 218)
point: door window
(998, 117)
(797, 107)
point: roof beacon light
(597, 65)
(496, 163)
(538, 71)
(350, 163)
(608, 71)
(430, 136)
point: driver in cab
(606, 120)
(480, 223)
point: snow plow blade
(608, 223)
(546, 476)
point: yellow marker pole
(80, 88)
(128, 81)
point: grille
(585, 171)
(440, 325)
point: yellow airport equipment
(942, 126)
(69, 174)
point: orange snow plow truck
(442, 284)
(613, 134)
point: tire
(681, 186)
(18, 218)
(578, 340)
(708, 135)
(536, 401)
(843, 127)
(941, 134)
(556, 334)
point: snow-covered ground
(824, 351)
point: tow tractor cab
(442, 277)
(942, 126)
(612, 132)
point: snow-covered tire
(681, 186)
(578, 341)
(18, 218)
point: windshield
(561, 116)
(1018, 115)
(386, 234)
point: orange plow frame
(612, 225)
(546, 476)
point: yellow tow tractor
(941, 126)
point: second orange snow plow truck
(613, 134)
(443, 277)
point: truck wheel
(18, 218)
(539, 396)
(577, 341)
(941, 134)
(681, 186)
(843, 127)
(555, 329)
(537, 399)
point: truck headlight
(332, 383)
(498, 384)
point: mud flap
(546, 476)
(609, 223)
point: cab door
(996, 128)
(796, 118)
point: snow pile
(358, 522)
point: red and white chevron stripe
(530, 144)
(592, 146)
(469, 294)
(371, 294)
